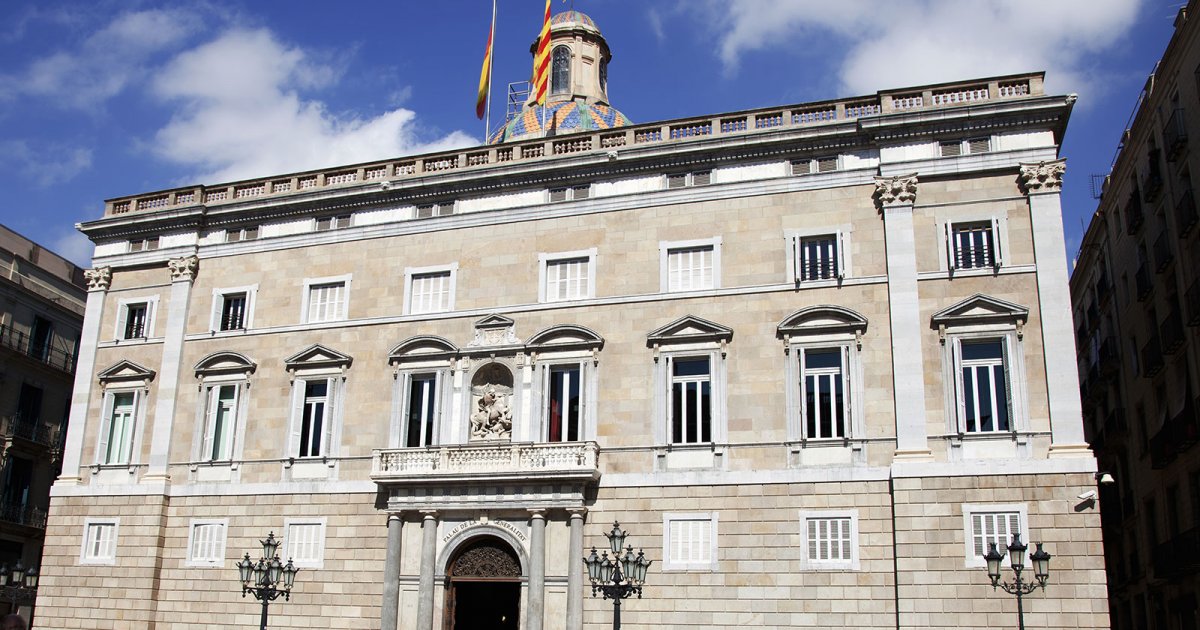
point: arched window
(560, 71)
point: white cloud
(104, 63)
(47, 165)
(911, 42)
(75, 247)
(241, 114)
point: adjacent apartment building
(814, 358)
(41, 313)
(1136, 294)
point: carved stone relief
(491, 403)
(488, 559)
(1043, 176)
(184, 268)
(98, 279)
(899, 189)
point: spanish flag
(485, 75)
(541, 60)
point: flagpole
(487, 117)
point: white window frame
(946, 243)
(330, 422)
(793, 239)
(973, 561)
(213, 562)
(123, 305)
(219, 295)
(309, 283)
(717, 383)
(545, 260)
(133, 439)
(665, 248)
(410, 272)
(87, 558)
(672, 564)
(810, 564)
(209, 390)
(545, 367)
(441, 383)
(1014, 369)
(285, 544)
(850, 395)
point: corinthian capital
(1043, 176)
(98, 279)
(184, 268)
(898, 189)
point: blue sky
(107, 98)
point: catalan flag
(541, 60)
(485, 75)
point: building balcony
(1152, 184)
(1152, 358)
(1178, 556)
(29, 429)
(1142, 280)
(21, 342)
(1103, 291)
(1093, 315)
(1185, 212)
(1176, 436)
(1133, 214)
(1162, 252)
(1109, 362)
(1175, 134)
(25, 515)
(1171, 332)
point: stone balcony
(487, 474)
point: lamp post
(18, 584)
(1016, 558)
(268, 578)
(618, 577)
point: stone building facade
(748, 337)
(41, 312)
(1136, 298)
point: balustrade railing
(26, 515)
(41, 351)
(498, 458)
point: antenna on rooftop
(518, 93)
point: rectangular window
(983, 385)
(986, 524)
(691, 400)
(136, 320)
(314, 418)
(563, 409)
(305, 544)
(824, 388)
(689, 542)
(326, 302)
(830, 539)
(233, 312)
(99, 542)
(567, 279)
(422, 410)
(817, 258)
(220, 423)
(430, 293)
(950, 148)
(973, 245)
(206, 543)
(116, 435)
(690, 268)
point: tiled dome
(573, 18)
(561, 118)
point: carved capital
(898, 189)
(184, 268)
(1042, 177)
(98, 279)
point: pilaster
(1042, 183)
(429, 525)
(896, 196)
(183, 273)
(575, 572)
(98, 281)
(390, 607)
(535, 610)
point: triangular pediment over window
(689, 329)
(494, 321)
(125, 370)
(317, 356)
(423, 347)
(815, 320)
(980, 309)
(225, 363)
(565, 337)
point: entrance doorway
(485, 587)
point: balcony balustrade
(1152, 184)
(29, 429)
(1175, 135)
(20, 514)
(1185, 213)
(488, 461)
(1178, 556)
(1133, 214)
(21, 342)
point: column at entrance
(574, 573)
(428, 559)
(390, 610)
(535, 611)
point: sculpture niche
(491, 408)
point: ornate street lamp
(1016, 558)
(18, 584)
(618, 577)
(268, 578)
